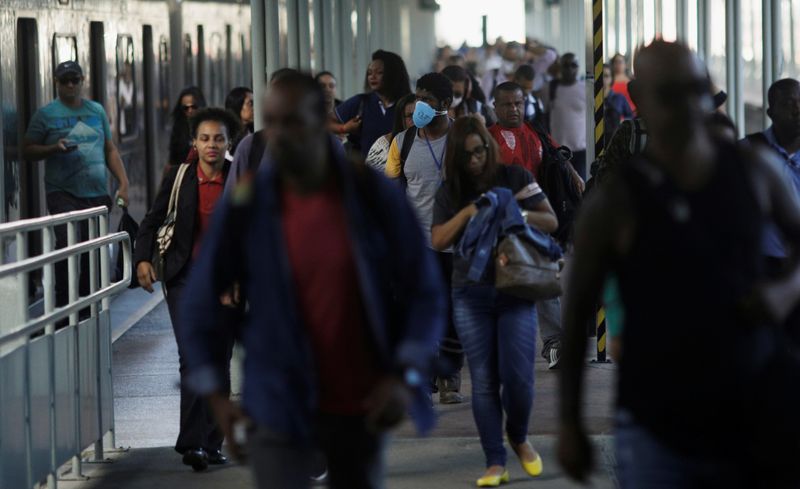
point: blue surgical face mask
(424, 114)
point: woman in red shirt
(619, 84)
(200, 185)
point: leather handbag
(167, 229)
(522, 271)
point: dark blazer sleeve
(146, 238)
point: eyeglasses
(73, 80)
(187, 108)
(478, 151)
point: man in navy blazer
(345, 304)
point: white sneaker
(555, 356)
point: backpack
(555, 178)
(638, 137)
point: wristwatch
(525, 216)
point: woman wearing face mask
(370, 115)
(200, 187)
(498, 331)
(379, 152)
(180, 141)
(464, 102)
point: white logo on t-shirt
(510, 139)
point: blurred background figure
(180, 140)
(369, 115)
(621, 78)
(240, 103)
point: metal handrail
(37, 324)
(37, 223)
(96, 245)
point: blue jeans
(498, 333)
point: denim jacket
(498, 215)
(400, 285)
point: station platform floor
(146, 415)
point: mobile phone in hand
(71, 146)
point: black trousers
(355, 455)
(58, 202)
(198, 428)
(450, 350)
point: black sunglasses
(187, 108)
(72, 80)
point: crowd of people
(353, 248)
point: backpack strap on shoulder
(408, 141)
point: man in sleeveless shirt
(681, 228)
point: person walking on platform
(534, 109)
(566, 105)
(367, 116)
(240, 102)
(681, 228)
(464, 101)
(416, 160)
(520, 145)
(190, 100)
(73, 136)
(498, 331)
(346, 305)
(783, 140)
(187, 196)
(403, 119)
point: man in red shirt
(346, 305)
(520, 145)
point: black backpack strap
(408, 141)
(256, 151)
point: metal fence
(56, 396)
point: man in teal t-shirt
(73, 136)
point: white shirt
(568, 116)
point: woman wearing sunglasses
(180, 141)
(498, 331)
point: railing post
(105, 279)
(22, 300)
(98, 444)
(73, 279)
(48, 283)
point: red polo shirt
(326, 286)
(519, 146)
(209, 190)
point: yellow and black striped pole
(599, 144)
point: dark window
(163, 81)
(97, 62)
(201, 59)
(65, 48)
(126, 86)
(188, 61)
(216, 70)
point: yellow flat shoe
(493, 480)
(533, 468)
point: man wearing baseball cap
(73, 136)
